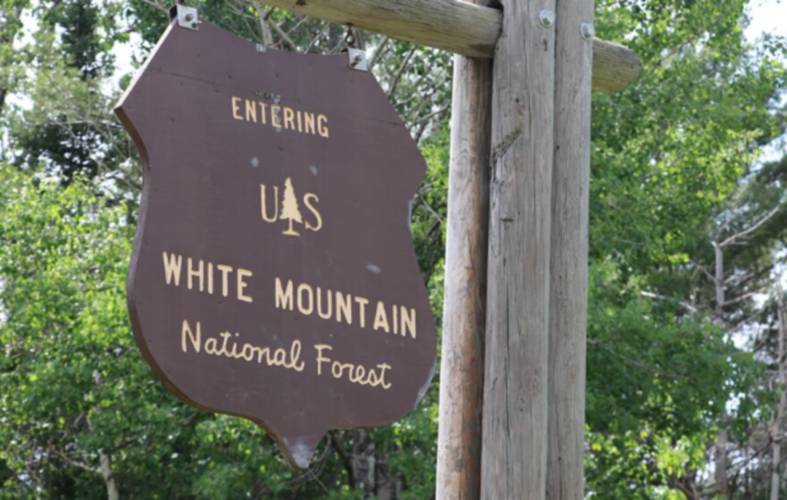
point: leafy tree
(674, 171)
(10, 28)
(67, 126)
(668, 156)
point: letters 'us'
(273, 275)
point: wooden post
(514, 454)
(569, 267)
(461, 368)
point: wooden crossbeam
(457, 26)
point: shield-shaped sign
(273, 274)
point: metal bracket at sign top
(357, 59)
(186, 16)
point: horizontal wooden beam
(456, 26)
(614, 66)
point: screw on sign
(273, 275)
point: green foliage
(10, 28)
(67, 130)
(656, 386)
(666, 371)
(673, 146)
(674, 168)
(430, 205)
(668, 158)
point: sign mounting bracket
(358, 59)
(187, 17)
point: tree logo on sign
(288, 209)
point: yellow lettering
(303, 309)
(357, 375)
(264, 205)
(341, 367)
(236, 108)
(320, 358)
(283, 296)
(241, 273)
(225, 271)
(279, 357)
(172, 264)
(195, 339)
(289, 117)
(353, 373)
(211, 346)
(322, 125)
(281, 116)
(308, 123)
(307, 201)
(251, 111)
(383, 367)
(275, 120)
(295, 355)
(199, 273)
(380, 318)
(329, 299)
(344, 308)
(362, 302)
(407, 316)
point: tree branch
(732, 239)
(652, 295)
(398, 75)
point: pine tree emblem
(289, 208)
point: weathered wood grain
(615, 67)
(569, 269)
(461, 369)
(454, 25)
(514, 450)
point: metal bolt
(189, 17)
(547, 18)
(356, 61)
(587, 30)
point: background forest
(686, 369)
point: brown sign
(273, 274)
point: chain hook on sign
(349, 37)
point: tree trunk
(461, 369)
(776, 428)
(105, 468)
(718, 282)
(364, 463)
(720, 464)
(514, 453)
(569, 268)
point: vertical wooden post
(461, 369)
(569, 269)
(514, 450)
